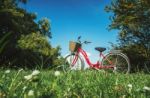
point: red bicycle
(114, 60)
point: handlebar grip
(87, 42)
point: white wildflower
(146, 88)
(124, 96)
(24, 88)
(35, 72)
(28, 77)
(138, 89)
(68, 89)
(57, 73)
(31, 93)
(7, 71)
(20, 70)
(130, 85)
(14, 95)
(116, 81)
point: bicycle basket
(73, 46)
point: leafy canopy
(28, 41)
(131, 18)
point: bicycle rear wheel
(119, 60)
(78, 65)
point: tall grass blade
(4, 42)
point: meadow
(75, 84)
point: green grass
(75, 84)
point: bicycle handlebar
(85, 42)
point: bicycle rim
(78, 65)
(119, 61)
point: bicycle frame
(98, 65)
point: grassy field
(75, 84)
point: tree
(17, 22)
(37, 50)
(131, 18)
(44, 27)
(28, 44)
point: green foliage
(4, 41)
(44, 54)
(44, 26)
(17, 21)
(131, 18)
(86, 84)
(36, 43)
(29, 43)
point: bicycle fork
(74, 60)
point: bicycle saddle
(100, 49)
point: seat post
(100, 54)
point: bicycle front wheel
(119, 60)
(71, 65)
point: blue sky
(72, 18)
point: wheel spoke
(78, 64)
(120, 61)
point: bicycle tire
(120, 60)
(79, 65)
